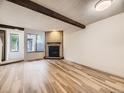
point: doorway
(3, 39)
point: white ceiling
(16, 15)
(82, 11)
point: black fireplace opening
(54, 51)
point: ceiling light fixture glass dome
(103, 4)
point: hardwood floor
(56, 76)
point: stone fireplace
(54, 45)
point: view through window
(35, 42)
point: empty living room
(61, 46)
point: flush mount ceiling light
(103, 4)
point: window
(40, 44)
(35, 42)
(14, 42)
(31, 43)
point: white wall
(14, 56)
(100, 45)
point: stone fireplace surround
(54, 39)
(54, 44)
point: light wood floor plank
(56, 76)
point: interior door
(2, 36)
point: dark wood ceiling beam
(11, 27)
(41, 9)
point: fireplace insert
(54, 51)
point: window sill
(36, 52)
